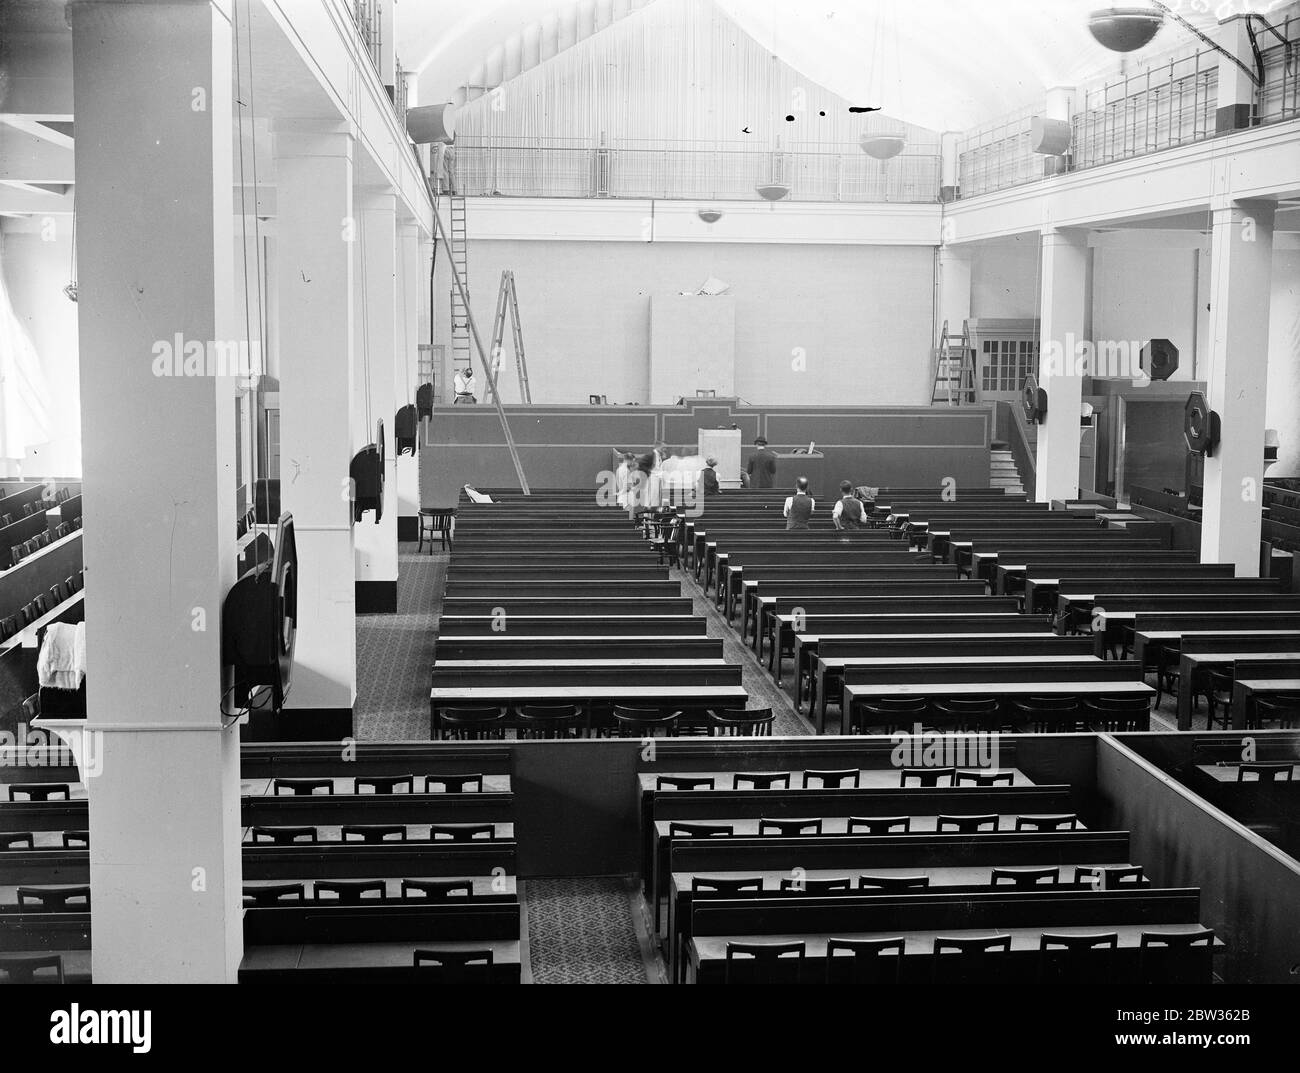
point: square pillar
(315, 264)
(1060, 366)
(954, 286)
(375, 324)
(160, 356)
(1236, 89)
(412, 284)
(1241, 274)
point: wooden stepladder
(954, 368)
(508, 303)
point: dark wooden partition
(567, 446)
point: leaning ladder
(440, 232)
(508, 302)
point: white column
(1063, 329)
(316, 246)
(155, 269)
(1241, 269)
(954, 286)
(412, 282)
(375, 321)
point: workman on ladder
(466, 386)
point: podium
(791, 465)
(724, 445)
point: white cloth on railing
(61, 663)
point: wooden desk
(1244, 692)
(1193, 663)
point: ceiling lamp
(709, 216)
(1125, 29)
(882, 146)
(773, 191)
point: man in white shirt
(466, 386)
(800, 506)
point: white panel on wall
(815, 324)
(1004, 279)
(692, 346)
(1143, 294)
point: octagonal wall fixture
(1201, 427)
(1125, 29)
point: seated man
(849, 512)
(709, 478)
(800, 506)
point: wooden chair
(1076, 959)
(348, 891)
(1024, 877)
(435, 522)
(1281, 709)
(437, 890)
(928, 776)
(274, 893)
(833, 780)
(549, 721)
(968, 713)
(632, 722)
(454, 784)
(787, 828)
(472, 723)
(23, 968)
(967, 825)
(684, 782)
(888, 713)
(869, 961)
(1266, 772)
(893, 884)
(56, 898)
(682, 829)
(817, 886)
(1050, 715)
(880, 825)
(40, 791)
(454, 966)
(1156, 968)
(725, 886)
(755, 723)
(301, 787)
(760, 780)
(759, 961)
(384, 784)
(463, 832)
(17, 840)
(371, 833)
(75, 838)
(285, 836)
(1119, 715)
(976, 777)
(1218, 698)
(1067, 821)
(962, 960)
(1110, 876)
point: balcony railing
(998, 155)
(689, 171)
(1163, 107)
(1278, 98)
(365, 13)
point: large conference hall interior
(649, 492)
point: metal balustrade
(670, 170)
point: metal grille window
(998, 155)
(1006, 362)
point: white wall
(861, 315)
(1145, 293)
(36, 268)
(1004, 278)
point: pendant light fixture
(876, 144)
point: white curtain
(24, 395)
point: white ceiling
(942, 64)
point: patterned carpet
(762, 689)
(395, 652)
(581, 931)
